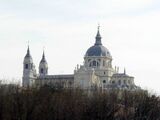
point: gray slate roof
(98, 50)
(60, 77)
(120, 75)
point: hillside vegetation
(48, 103)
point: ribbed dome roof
(98, 49)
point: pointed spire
(43, 57)
(28, 52)
(98, 37)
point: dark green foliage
(49, 103)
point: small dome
(98, 50)
(28, 60)
(43, 65)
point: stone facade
(97, 71)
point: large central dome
(98, 49)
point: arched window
(104, 81)
(94, 63)
(124, 81)
(90, 65)
(26, 66)
(98, 64)
(113, 82)
(42, 71)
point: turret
(43, 66)
(29, 71)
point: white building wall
(86, 78)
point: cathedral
(96, 71)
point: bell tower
(29, 71)
(43, 66)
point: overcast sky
(130, 29)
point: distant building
(97, 71)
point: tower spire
(43, 57)
(43, 53)
(98, 37)
(43, 66)
(28, 51)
